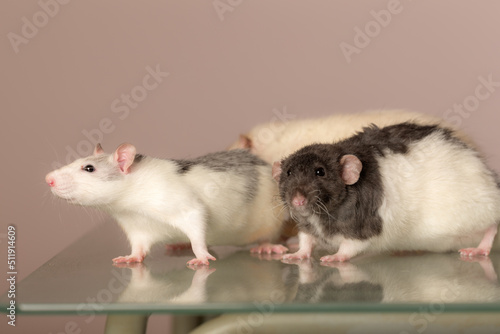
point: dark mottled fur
(352, 209)
(235, 160)
(240, 162)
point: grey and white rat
(287, 133)
(401, 187)
(223, 198)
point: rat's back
(438, 194)
(237, 189)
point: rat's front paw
(268, 248)
(335, 258)
(200, 261)
(474, 252)
(128, 259)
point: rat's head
(315, 179)
(94, 180)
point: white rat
(275, 140)
(224, 198)
(402, 187)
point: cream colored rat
(275, 140)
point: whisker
(324, 208)
(283, 208)
(292, 216)
(315, 212)
(279, 204)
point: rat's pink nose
(50, 180)
(299, 200)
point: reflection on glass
(242, 277)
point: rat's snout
(299, 200)
(61, 184)
(51, 181)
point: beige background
(228, 70)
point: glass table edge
(103, 309)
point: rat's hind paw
(474, 252)
(267, 248)
(296, 256)
(335, 258)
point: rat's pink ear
(98, 149)
(351, 168)
(244, 142)
(277, 170)
(125, 155)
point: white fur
(438, 197)
(275, 141)
(154, 203)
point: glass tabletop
(83, 280)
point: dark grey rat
(401, 187)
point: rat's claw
(128, 259)
(200, 262)
(131, 265)
(474, 252)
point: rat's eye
(289, 172)
(320, 171)
(88, 168)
